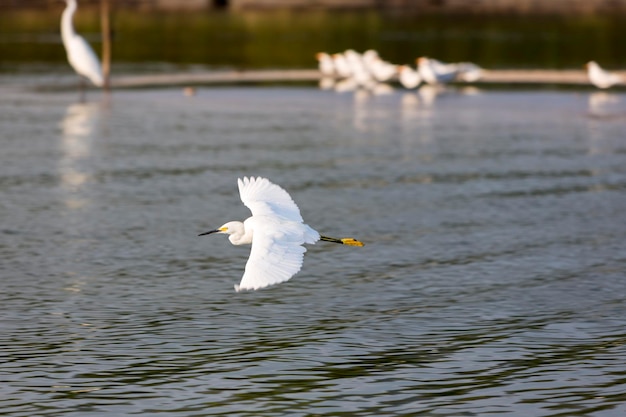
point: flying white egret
(79, 54)
(276, 232)
(599, 77)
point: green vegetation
(290, 39)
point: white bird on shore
(342, 67)
(370, 56)
(408, 77)
(382, 70)
(354, 58)
(468, 72)
(325, 64)
(363, 78)
(79, 54)
(436, 72)
(601, 78)
(276, 232)
(379, 69)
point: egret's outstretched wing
(277, 252)
(265, 198)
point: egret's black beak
(209, 232)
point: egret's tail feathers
(343, 241)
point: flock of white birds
(351, 70)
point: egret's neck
(67, 28)
(239, 234)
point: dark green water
(290, 40)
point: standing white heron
(79, 54)
(276, 232)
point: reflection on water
(492, 280)
(78, 127)
(604, 109)
(80, 132)
(602, 103)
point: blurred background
(245, 34)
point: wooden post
(106, 43)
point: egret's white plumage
(79, 54)
(276, 232)
(600, 77)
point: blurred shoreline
(415, 7)
(502, 77)
(62, 81)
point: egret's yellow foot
(352, 242)
(344, 241)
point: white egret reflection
(600, 103)
(606, 113)
(78, 128)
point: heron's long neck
(67, 28)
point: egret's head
(236, 232)
(222, 229)
(228, 228)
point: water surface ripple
(492, 280)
